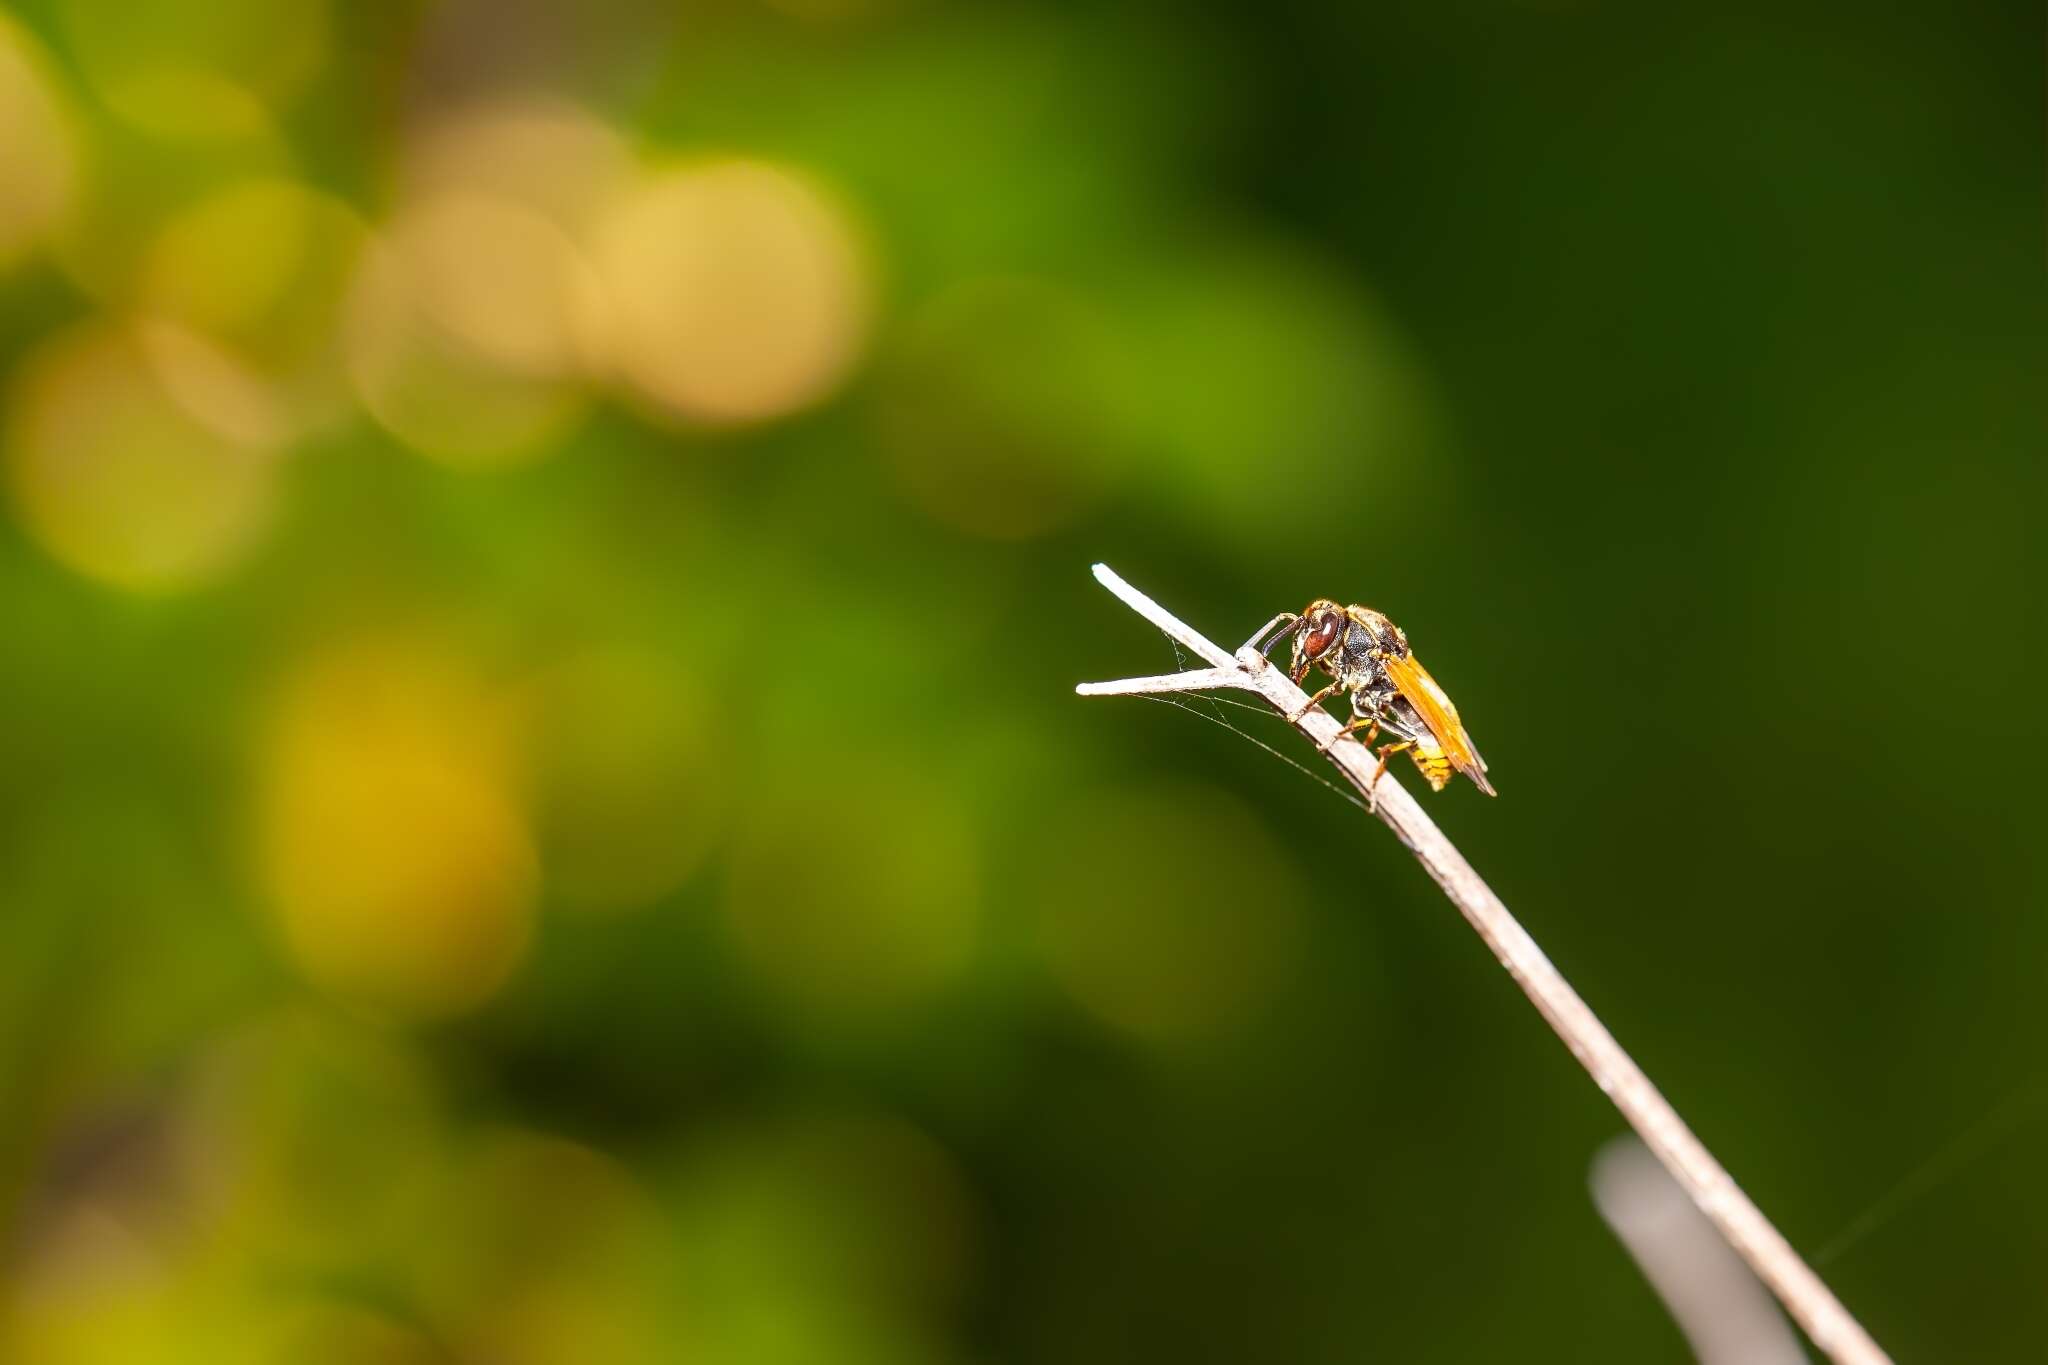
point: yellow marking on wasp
(1434, 764)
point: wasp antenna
(1270, 634)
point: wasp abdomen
(1435, 765)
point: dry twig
(1718, 1305)
(1838, 1335)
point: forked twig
(1838, 1335)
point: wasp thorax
(1385, 636)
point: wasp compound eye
(1321, 634)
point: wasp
(1367, 656)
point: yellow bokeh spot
(261, 269)
(503, 281)
(192, 70)
(118, 478)
(859, 902)
(560, 1262)
(221, 263)
(471, 327)
(89, 1289)
(631, 786)
(38, 157)
(211, 386)
(739, 291)
(391, 843)
(142, 178)
(1171, 914)
(544, 154)
(189, 106)
(333, 1331)
(237, 258)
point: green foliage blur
(543, 567)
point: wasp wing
(1413, 682)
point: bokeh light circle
(191, 70)
(337, 1330)
(504, 282)
(391, 840)
(225, 260)
(38, 152)
(262, 269)
(119, 477)
(213, 387)
(140, 180)
(631, 789)
(545, 154)
(563, 1258)
(739, 288)
(472, 327)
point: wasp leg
(1312, 703)
(1387, 751)
(1369, 724)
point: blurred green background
(544, 564)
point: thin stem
(1198, 680)
(1720, 1307)
(1712, 1190)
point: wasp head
(1320, 627)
